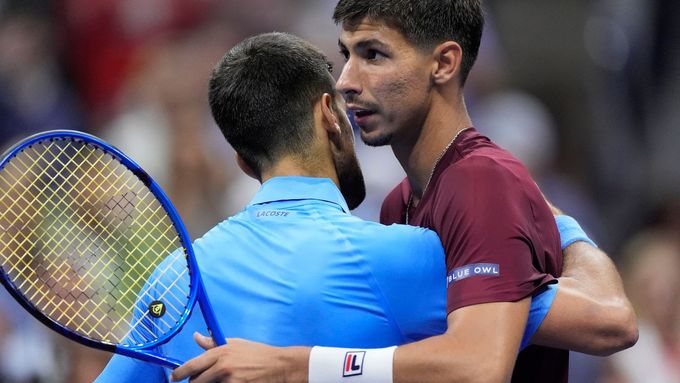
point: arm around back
(480, 345)
(591, 313)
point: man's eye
(345, 54)
(373, 54)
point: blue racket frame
(198, 293)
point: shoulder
(230, 228)
(490, 163)
(235, 231)
(404, 239)
(406, 233)
(492, 173)
(396, 195)
(394, 204)
(397, 254)
(481, 188)
(216, 234)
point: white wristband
(347, 365)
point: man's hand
(242, 361)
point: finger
(212, 375)
(194, 367)
(205, 342)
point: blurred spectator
(33, 97)
(103, 39)
(663, 119)
(635, 51)
(33, 94)
(651, 264)
(666, 217)
(27, 352)
(80, 364)
(617, 36)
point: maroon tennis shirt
(500, 238)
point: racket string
(87, 214)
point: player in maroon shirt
(488, 211)
(498, 217)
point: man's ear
(329, 117)
(448, 57)
(246, 168)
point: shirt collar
(299, 188)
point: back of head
(262, 94)
(424, 23)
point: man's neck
(294, 167)
(419, 155)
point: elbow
(618, 332)
(627, 333)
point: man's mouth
(360, 114)
(362, 117)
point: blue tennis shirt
(296, 268)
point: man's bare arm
(591, 313)
(479, 346)
(245, 361)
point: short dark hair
(424, 23)
(262, 93)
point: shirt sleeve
(540, 305)
(411, 278)
(485, 221)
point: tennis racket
(92, 247)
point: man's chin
(376, 139)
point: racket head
(15, 206)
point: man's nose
(348, 83)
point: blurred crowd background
(585, 92)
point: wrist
(334, 365)
(294, 362)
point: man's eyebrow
(375, 43)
